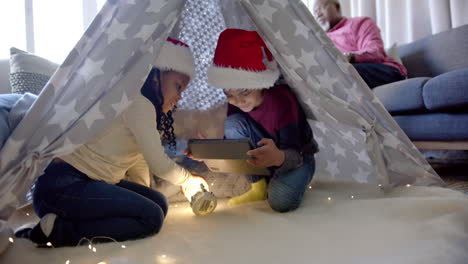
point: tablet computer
(226, 155)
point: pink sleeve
(369, 43)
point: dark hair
(164, 122)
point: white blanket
(360, 224)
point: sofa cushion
(448, 91)
(436, 54)
(28, 72)
(403, 96)
(435, 126)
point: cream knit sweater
(129, 147)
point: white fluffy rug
(358, 224)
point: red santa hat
(175, 55)
(242, 61)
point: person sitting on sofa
(359, 40)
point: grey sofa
(431, 106)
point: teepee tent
(109, 64)
(358, 139)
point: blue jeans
(376, 74)
(285, 190)
(90, 208)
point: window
(48, 28)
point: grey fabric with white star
(108, 65)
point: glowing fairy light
(123, 246)
(197, 192)
(11, 240)
(163, 256)
(193, 187)
(49, 244)
(94, 249)
(90, 247)
(352, 197)
(212, 184)
(310, 187)
(102, 262)
(67, 262)
(27, 214)
(408, 185)
(329, 198)
(380, 185)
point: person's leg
(149, 193)
(376, 74)
(286, 190)
(86, 208)
(241, 126)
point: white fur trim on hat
(177, 58)
(230, 78)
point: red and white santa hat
(175, 55)
(242, 61)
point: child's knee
(153, 220)
(234, 126)
(283, 198)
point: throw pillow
(28, 72)
(393, 53)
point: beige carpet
(358, 224)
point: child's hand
(187, 151)
(267, 155)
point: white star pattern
(82, 43)
(332, 168)
(170, 19)
(356, 91)
(145, 32)
(308, 59)
(301, 29)
(44, 143)
(11, 149)
(117, 31)
(344, 66)
(291, 60)
(348, 135)
(363, 156)
(339, 150)
(91, 69)
(59, 77)
(155, 6)
(361, 175)
(319, 140)
(64, 114)
(67, 148)
(321, 126)
(267, 11)
(93, 115)
(390, 140)
(280, 38)
(282, 3)
(122, 105)
(326, 81)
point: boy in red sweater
(269, 115)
